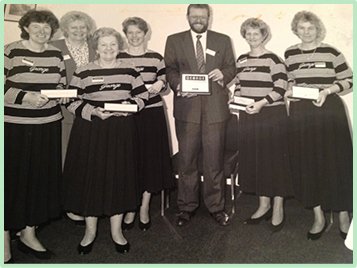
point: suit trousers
(208, 139)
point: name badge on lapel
(27, 62)
(244, 60)
(97, 79)
(320, 64)
(210, 52)
(66, 57)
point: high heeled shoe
(75, 222)
(343, 235)
(277, 228)
(266, 216)
(315, 236)
(144, 226)
(82, 250)
(11, 260)
(122, 248)
(43, 255)
(127, 226)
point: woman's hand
(64, 100)
(101, 113)
(156, 87)
(35, 99)
(255, 107)
(321, 99)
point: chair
(230, 164)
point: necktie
(199, 55)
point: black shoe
(76, 222)
(266, 216)
(277, 228)
(122, 248)
(183, 218)
(11, 260)
(343, 235)
(144, 226)
(43, 255)
(82, 250)
(315, 236)
(127, 226)
(221, 218)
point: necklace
(308, 55)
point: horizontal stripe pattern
(320, 67)
(151, 66)
(29, 71)
(261, 77)
(97, 85)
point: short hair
(39, 16)
(139, 22)
(307, 16)
(72, 16)
(256, 23)
(202, 6)
(106, 31)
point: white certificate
(59, 93)
(195, 83)
(310, 93)
(121, 107)
(240, 103)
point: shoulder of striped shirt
(18, 45)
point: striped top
(320, 67)
(29, 71)
(151, 66)
(262, 77)
(97, 85)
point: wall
(227, 18)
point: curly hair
(72, 16)
(307, 16)
(106, 31)
(39, 16)
(256, 23)
(139, 22)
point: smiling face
(39, 33)
(198, 19)
(307, 32)
(254, 37)
(77, 30)
(108, 48)
(135, 36)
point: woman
(264, 163)
(77, 28)
(100, 171)
(321, 147)
(154, 160)
(33, 162)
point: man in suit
(200, 119)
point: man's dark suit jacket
(180, 57)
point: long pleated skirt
(321, 154)
(263, 153)
(32, 174)
(155, 169)
(101, 167)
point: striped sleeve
(279, 78)
(344, 76)
(161, 72)
(139, 92)
(291, 77)
(80, 107)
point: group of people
(115, 160)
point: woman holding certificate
(32, 132)
(77, 28)
(100, 171)
(321, 146)
(264, 164)
(154, 153)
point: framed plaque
(59, 93)
(121, 107)
(309, 93)
(240, 103)
(195, 83)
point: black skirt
(32, 172)
(101, 172)
(155, 170)
(263, 153)
(321, 154)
